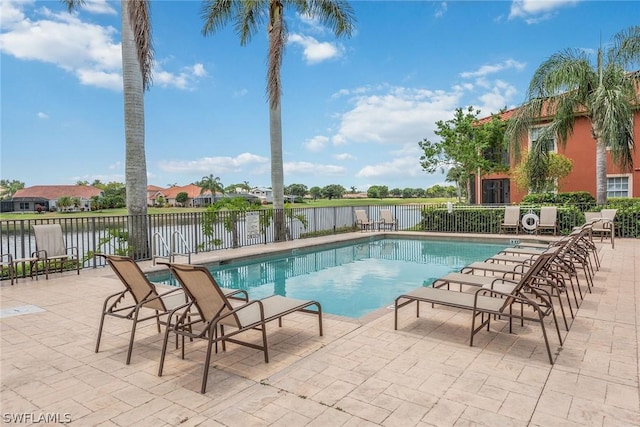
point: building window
(24, 206)
(536, 133)
(618, 186)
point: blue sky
(353, 110)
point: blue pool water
(356, 279)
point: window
(24, 206)
(536, 133)
(618, 186)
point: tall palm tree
(212, 184)
(246, 16)
(137, 62)
(568, 85)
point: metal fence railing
(200, 232)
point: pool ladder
(169, 252)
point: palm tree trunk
(135, 160)
(601, 172)
(277, 174)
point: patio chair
(8, 262)
(362, 220)
(139, 294)
(51, 248)
(215, 314)
(603, 224)
(548, 219)
(387, 220)
(511, 219)
(494, 299)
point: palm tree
(137, 61)
(246, 16)
(212, 184)
(568, 85)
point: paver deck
(360, 373)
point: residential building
(195, 196)
(265, 194)
(580, 147)
(45, 197)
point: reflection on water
(354, 280)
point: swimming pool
(351, 280)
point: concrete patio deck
(360, 373)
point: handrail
(157, 237)
(175, 236)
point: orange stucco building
(580, 147)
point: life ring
(530, 221)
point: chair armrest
(9, 258)
(37, 254)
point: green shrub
(583, 199)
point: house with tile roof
(46, 196)
(194, 193)
(580, 147)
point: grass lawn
(306, 204)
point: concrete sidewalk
(360, 373)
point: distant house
(46, 196)
(265, 194)
(194, 196)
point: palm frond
(216, 14)
(625, 51)
(277, 42)
(140, 18)
(73, 4)
(335, 14)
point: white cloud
(494, 68)
(198, 70)
(441, 10)
(62, 39)
(87, 50)
(315, 51)
(401, 167)
(307, 168)
(42, 115)
(497, 98)
(317, 143)
(397, 116)
(99, 6)
(186, 79)
(343, 156)
(534, 11)
(220, 164)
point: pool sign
(252, 223)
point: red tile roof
(192, 190)
(54, 192)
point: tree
(333, 191)
(182, 197)
(246, 16)
(137, 63)
(82, 183)
(315, 192)
(353, 189)
(465, 144)
(9, 187)
(407, 193)
(373, 192)
(76, 202)
(527, 174)
(233, 188)
(64, 202)
(212, 184)
(298, 190)
(457, 175)
(568, 84)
